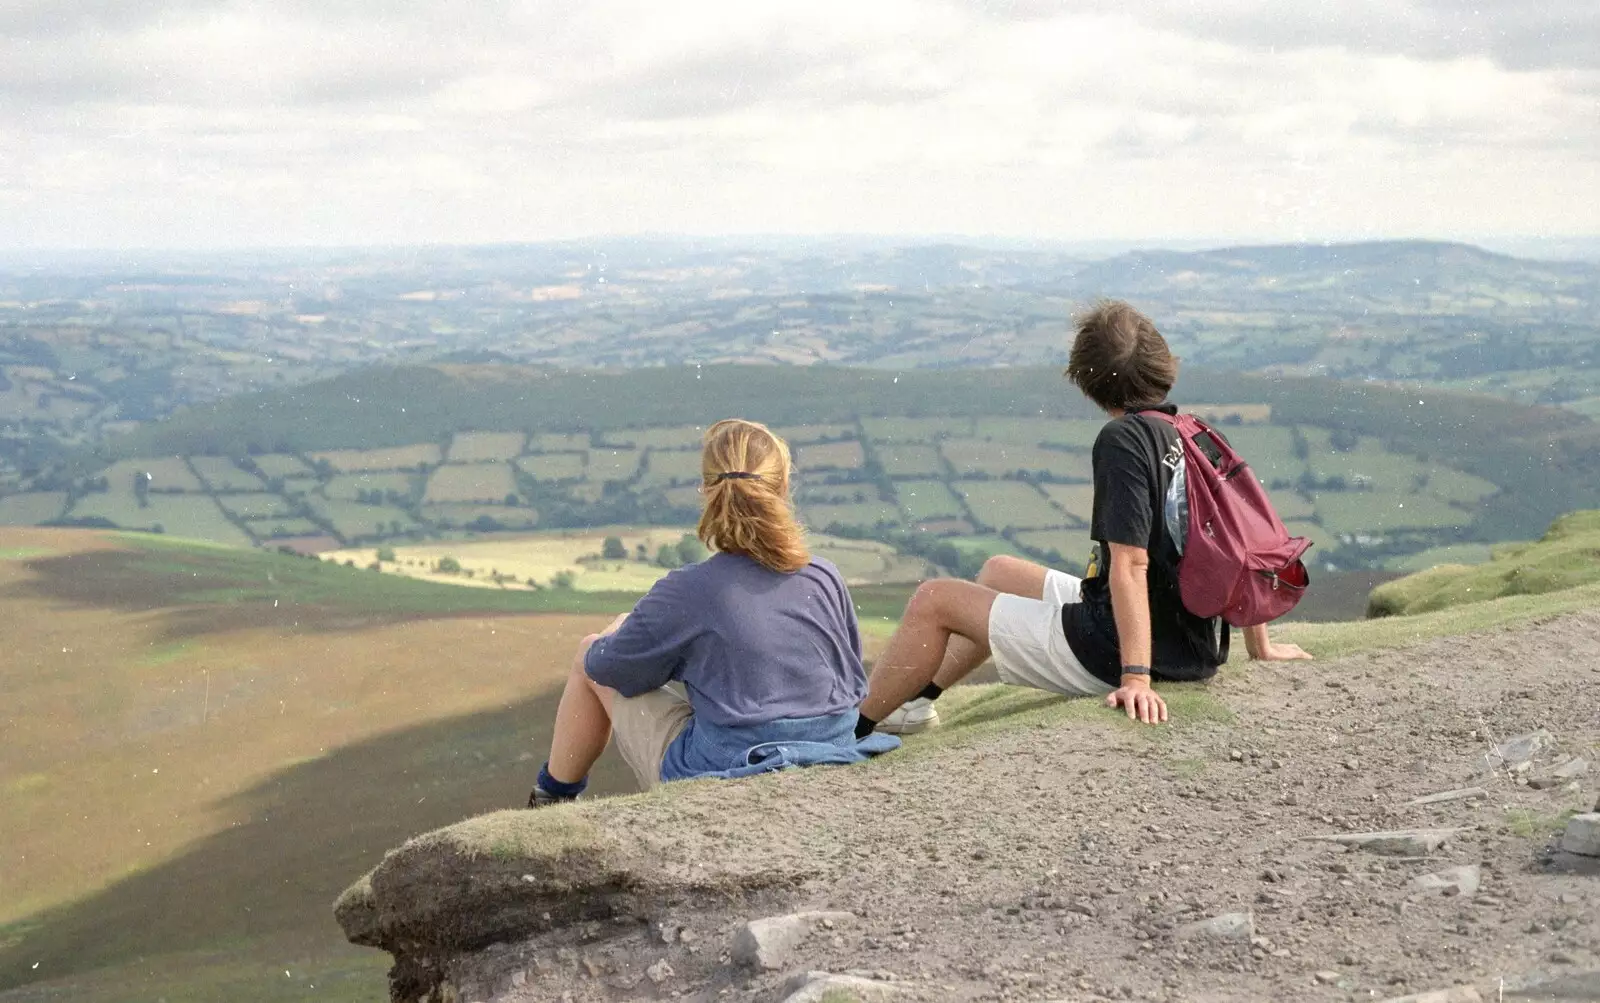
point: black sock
(559, 788)
(864, 725)
(930, 692)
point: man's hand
(622, 618)
(1263, 649)
(1140, 701)
(1278, 651)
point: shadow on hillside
(197, 598)
(299, 839)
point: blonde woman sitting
(761, 635)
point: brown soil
(1056, 860)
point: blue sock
(556, 787)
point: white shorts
(1030, 647)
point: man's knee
(1005, 573)
(951, 603)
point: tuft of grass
(1536, 825)
(519, 834)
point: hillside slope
(1566, 556)
(197, 745)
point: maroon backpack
(1239, 562)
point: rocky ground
(1065, 855)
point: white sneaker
(911, 717)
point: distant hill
(83, 351)
(995, 459)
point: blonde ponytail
(744, 471)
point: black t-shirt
(1135, 461)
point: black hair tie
(736, 475)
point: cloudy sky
(184, 123)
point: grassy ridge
(1566, 557)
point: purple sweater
(750, 645)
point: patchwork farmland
(1021, 484)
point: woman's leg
(583, 723)
(940, 611)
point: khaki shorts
(1029, 646)
(643, 727)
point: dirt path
(1060, 860)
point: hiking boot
(911, 717)
(541, 798)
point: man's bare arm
(1130, 605)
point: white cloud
(233, 123)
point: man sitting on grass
(1121, 626)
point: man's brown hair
(1119, 360)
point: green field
(1455, 486)
(349, 487)
(256, 506)
(355, 521)
(1268, 449)
(558, 442)
(923, 500)
(996, 459)
(1009, 505)
(1292, 505)
(554, 466)
(168, 473)
(1077, 434)
(914, 429)
(908, 459)
(469, 482)
(830, 456)
(221, 474)
(195, 517)
(31, 508)
(607, 464)
(1355, 512)
(277, 529)
(351, 461)
(799, 435)
(664, 467)
(681, 437)
(1077, 500)
(1459, 553)
(820, 517)
(482, 447)
(457, 516)
(1072, 545)
(282, 465)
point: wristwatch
(1136, 670)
